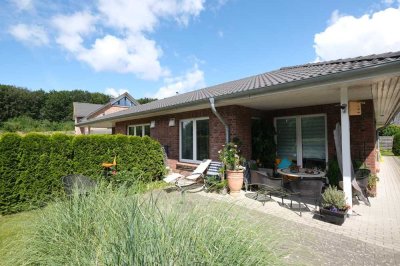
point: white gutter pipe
(212, 102)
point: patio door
(302, 139)
(194, 140)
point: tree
(145, 100)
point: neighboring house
(86, 111)
(304, 102)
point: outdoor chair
(305, 191)
(80, 183)
(184, 183)
(269, 186)
(213, 174)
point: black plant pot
(333, 217)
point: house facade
(85, 111)
(303, 103)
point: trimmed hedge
(396, 144)
(31, 166)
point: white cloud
(144, 15)
(23, 5)
(349, 36)
(220, 34)
(135, 54)
(115, 92)
(128, 49)
(192, 80)
(71, 29)
(29, 34)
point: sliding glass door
(302, 139)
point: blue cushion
(285, 163)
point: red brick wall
(239, 119)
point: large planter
(235, 181)
(337, 218)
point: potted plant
(371, 189)
(334, 206)
(229, 156)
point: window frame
(299, 139)
(134, 129)
(194, 120)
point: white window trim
(194, 139)
(134, 128)
(299, 144)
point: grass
(386, 153)
(15, 230)
(113, 227)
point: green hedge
(31, 166)
(396, 144)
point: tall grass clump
(110, 226)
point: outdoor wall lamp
(153, 124)
(171, 122)
(343, 107)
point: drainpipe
(212, 102)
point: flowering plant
(229, 156)
(334, 199)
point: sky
(157, 48)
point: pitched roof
(83, 109)
(88, 109)
(265, 81)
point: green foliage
(109, 227)
(31, 166)
(263, 143)
(229, 156)
(396, 144)
(215, 184)
(334, 175)
(39, 105)
(28, 124)
(145, 100)
(389, 130)
(372, 180)
(332, 197)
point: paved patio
(374, 229)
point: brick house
(86, 111)
(303, 102)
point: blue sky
(156, 48)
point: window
(302, 139)
(194, 139)
(139, 130)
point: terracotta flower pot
(235, 181)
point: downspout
(212, 102)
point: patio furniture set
(303, 187)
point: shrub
(28, 124)
(389, 130)
(396, 145)
(31, 167)
(334, 175)
(110, 228)
(333, 199)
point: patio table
(302, 173)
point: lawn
(14, 229)
(386, 153)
